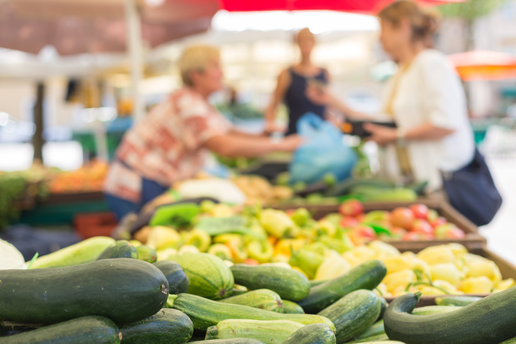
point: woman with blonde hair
(171, 142)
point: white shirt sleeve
(443, 95)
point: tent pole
(37, 138)
(135, 47)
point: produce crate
(507, 269)
(472, 241)
(88, 225)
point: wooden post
(37, 138)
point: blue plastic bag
(323, 152)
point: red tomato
(360, 217)
(351, 207)
(411, 236)
(439, 222)
(432, 216)
(348, 222)
(449, 231)
(402, 217)
(365, 232)
(422, 227)
(420, 211)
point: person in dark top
(298, 87)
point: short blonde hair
(196, 58)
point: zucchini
(177, 280)
(375, 329)
(262, 298)
(384, 305)
(205, 313)
(289, 284)
(353, 314)
(274, 332)
(429, 310)
(146, 253)
(315, 283)
(209, 276)
(84, 252)
(460, 301)
(365, 276)
(168, 326)
(509, 341)
(84, 330)
(230, 341)
(119, 249)
(290, 307)
(381, 338)
(8, 328)
(490, 320)
(123, 290)
(312, 334)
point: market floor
(501, 232)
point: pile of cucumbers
(197, 297)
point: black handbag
(472, 191)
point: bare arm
(277, 97)
(243, 134)
(426, 131)
(247, 147)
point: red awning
(360, 6)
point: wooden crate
(472, 241)
(507, 269)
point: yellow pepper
(199, 239)
(224, 238)
(421, 269)
(261, 251)
(506, 284)
(381, 290)
(280, 258)
(318, 247)
(161, 237)
(445, 285)
(458, 249)
(383, 250)
(399, 279)
(359, 255)
(283, 246)
(477, 285)
(398, 263)
(221, 251)
(135, 243)
(166, 254)
(332, 267)
(237, 250)
(325, 227)
(428, 290)
(437, 255)
(479, 266)
(276, 222)
(447, 272)
(300, 271)
(222, 210)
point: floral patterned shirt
(166, 146)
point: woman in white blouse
(425, 99)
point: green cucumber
(490, 320)
(381, 338)
(312, 334)
(271, 331)
(209, 276)
(123, 290)
(177, 280)
(353, 314)
(119, 249)
(460, 301)
(230, 341)
(429, 310)
(146, 253)
(290, 307)
(384, 308)
(168, 326)
(289, 284)
(365, 276)
(261, 298)
(84, 330)
(84, 252)
(375, 329)
(315, 283)
(205, 313)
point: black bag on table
(472, 191)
